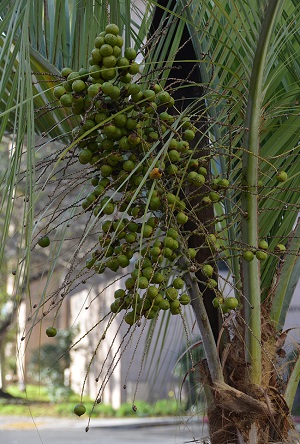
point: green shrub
(166, 407)
(143, 409)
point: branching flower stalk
(251, 270)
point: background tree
(247, 140)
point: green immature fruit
(158, 278)
(171, 293)
(261, 255)
(280, 248)
(66, 71)
(66, 100)
(79, 409)
(184, 299)
(78, 86)
(130, 53)
(85, 156)
(192, 253)
(231, 303)
(59, 91)
(217, 302)
(51, 332)
(178, 283)
(214, 197)
(152, 292)
(143, 282)
(112, 29)
(263, 244)
(120, 293)
(164, 305)
(207, 270)
(123, 260)
(182, 218)
(248, 255)
(281, 176)
(44, 241)
(147, 231)
(189, 135)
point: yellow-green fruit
(112, 28)
(263, 244)
(207, 270)
(130, 53)
(66, 100)
(189, 135)
(182, 218)
(184, 299)
(59, 91)
(280, 248)
(171, 293)
(164, 305)
(130, 318)
(248, 256)
(231, 303)
(147, 231)
(143, 282)
(217, 302)
(214, 197)
(281, 176)
(261, 255)
(152, 292)
(66, 71)
(78, 86)
(212, 283)
(192, 253)
(79, 409)
(178, 283)
(51, 332)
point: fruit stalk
(251, 270)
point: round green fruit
(189, 135)
(192, 253)
(182, 218)
(112, 28)
(51, 332)
(178, 283)
(280, 248)
(261, 255)
(248, 255)
(143, 282)
(130, 53)
(171, 293)
(66, 71)
(59, 91)
(207, 270)
(263, 244)
(85, 156)
(231, 303)
(120, 293)
(44, 241)
(79, 409)
(66, 100)
(164, 305)
(78, 86)
(217, 302)
(184, 299)
(281, 176)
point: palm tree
(242, 97)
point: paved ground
(18, 430)
(24, 430)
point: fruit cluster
(137, 149)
